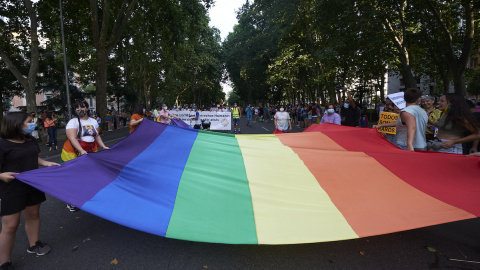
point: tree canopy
(297, 51)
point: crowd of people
(450, 124)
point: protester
(109, 120)
(156, 114)
(99, 122)
(164, 116)
(282, 120)
(197, 118)
(331, 116)
(315, 113)
(309, 119)
(472, 147)
(249, 111)
(52, 130)
(349, 111)
(83, 136)
(299, 110)
(115, 118)
(124, 118)
(433, 113)
(42, 120)
(19, 153)
(411, 123)
(35, 121)
(236, 115)
(137, 117)
(455, 122)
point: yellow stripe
(289, 205)
(66, 156)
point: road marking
(265, 129)
(56, 156)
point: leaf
(114, 261)
(205, 266)
(362, 253)
(431, 249)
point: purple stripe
(77, 181)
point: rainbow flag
(326, 184)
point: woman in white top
(82, 133)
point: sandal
(50, 149)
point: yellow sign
(386, 117)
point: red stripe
(453, 179)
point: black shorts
(15, 204)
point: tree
(106, 35)
(456, 22)
(20, 39)
(9, 87)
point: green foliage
(473, 82)
(299, 50)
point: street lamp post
(65, 63)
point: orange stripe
(372, 199)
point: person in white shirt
(282, 120)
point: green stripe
(213, 201)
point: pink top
(163, 116)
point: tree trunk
(1, 107)
(457, 64)
(406, 71)
(101, 83)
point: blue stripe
(143, 195)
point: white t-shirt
(89, 128)
(282, 120)
(256, 111)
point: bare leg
(7, 236)
(32, 223)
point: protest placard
(217, 120)
(386, 117)
(398, 100)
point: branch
(120, 23)
(444, 29)
(398, 41)
(469, 33)
(11, 66)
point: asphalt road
(83, 241)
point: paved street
(83, 241)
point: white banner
(398, 99)
(217, 120)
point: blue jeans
(52, 135)
(249, 119)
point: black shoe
(39, 248)
(6, 266)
